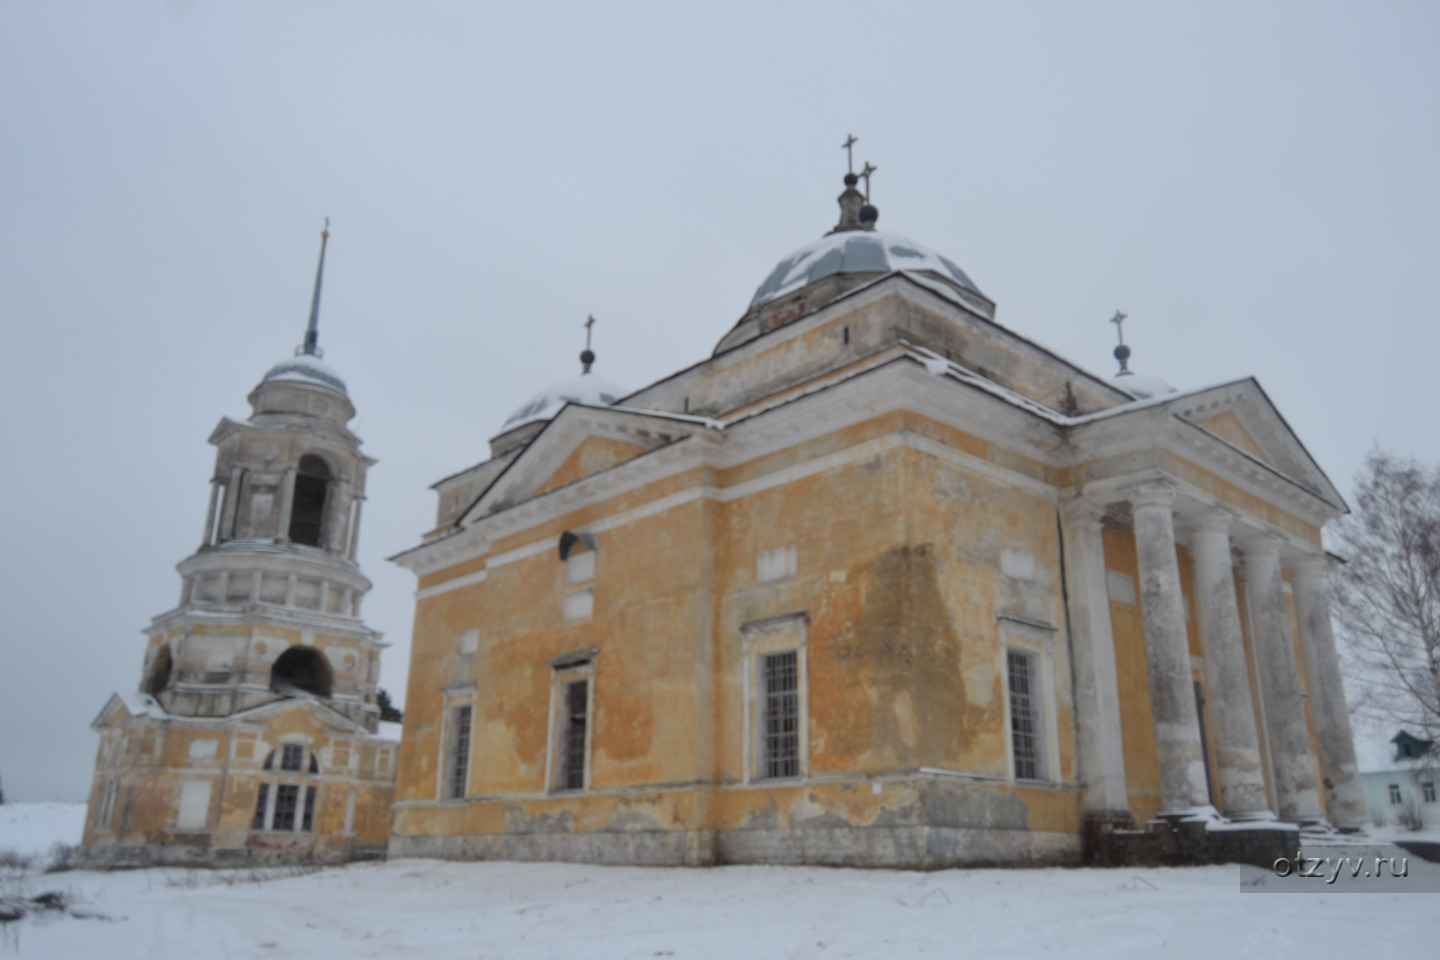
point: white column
(1240, 776)
(210, 514)
(1092, 645)
(1334, 741)
(355, 529)
(227, 514)
(1167, 653)
(287, 504)
(337, 510)
(1292, 764)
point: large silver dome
(855, 251)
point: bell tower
(255, 735)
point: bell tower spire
(311, 346)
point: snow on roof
(588, 388)
(307, 369)
(141, 704)
(855, 251)
(390, 731)
(1141, 386)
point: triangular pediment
(1242, 415)
(580, 442)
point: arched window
(287, 803)
(301, 669)
(159, 677)
(307, 510)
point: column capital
(1216, 519)
(1082, 510)
(1309, 565)
(1151, 493)
(1261, 546)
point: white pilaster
(1167, 652)
(1334, 741)
(1240, 776)
(287, 504)
(1292, 763)
(1092, 645)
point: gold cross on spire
(849, 145)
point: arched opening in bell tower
(307, 512)
(303, 669)
(159, 676)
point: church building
(880, 582)
(254, 736)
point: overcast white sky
(1255, 184)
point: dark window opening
(781, 714)
(458, 768)
(287, 799)
(307, 509)
(1204, 741)
(572, 765)
(314, 764)
(308, 823)
(159, 671)
(269, 761)
(292, 756)
(1024, 738)
(262, 799)
(846, 332)
(301, 669)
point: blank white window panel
(1121, 587)
(194, 805)
(203, 749)
(579, 605)
(470, 641)
(1017, 564)
(580, 567)
(775, 564)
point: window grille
(308, 823)
(458, 770)
(781, 724)
(293, 757)
(262, 800)
(1024, 725)
(1427, 791)
(576, 704)
(287, 799)
(1394, 792)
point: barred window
(572, 760)
(781, 715)
(1024, 716)
(287, 800)
(262, 803)
(458, 769)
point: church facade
(880, 582)
(254, 736)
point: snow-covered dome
(1142, 387)
(855, 251)
(588, 388)
(306, 368)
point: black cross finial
(1119, 321)
(587, 356)
(865, 175)
(849, 145)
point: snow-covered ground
(419, 909)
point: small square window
(775, 564)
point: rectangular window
(1024, 715)
(287, 799)
(1394, 793)
(308, 823)
(775, 564)
(1427, 791)
(262, 800)
(107, 807)
(572, 746)
(780, 724)
(458, 769)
